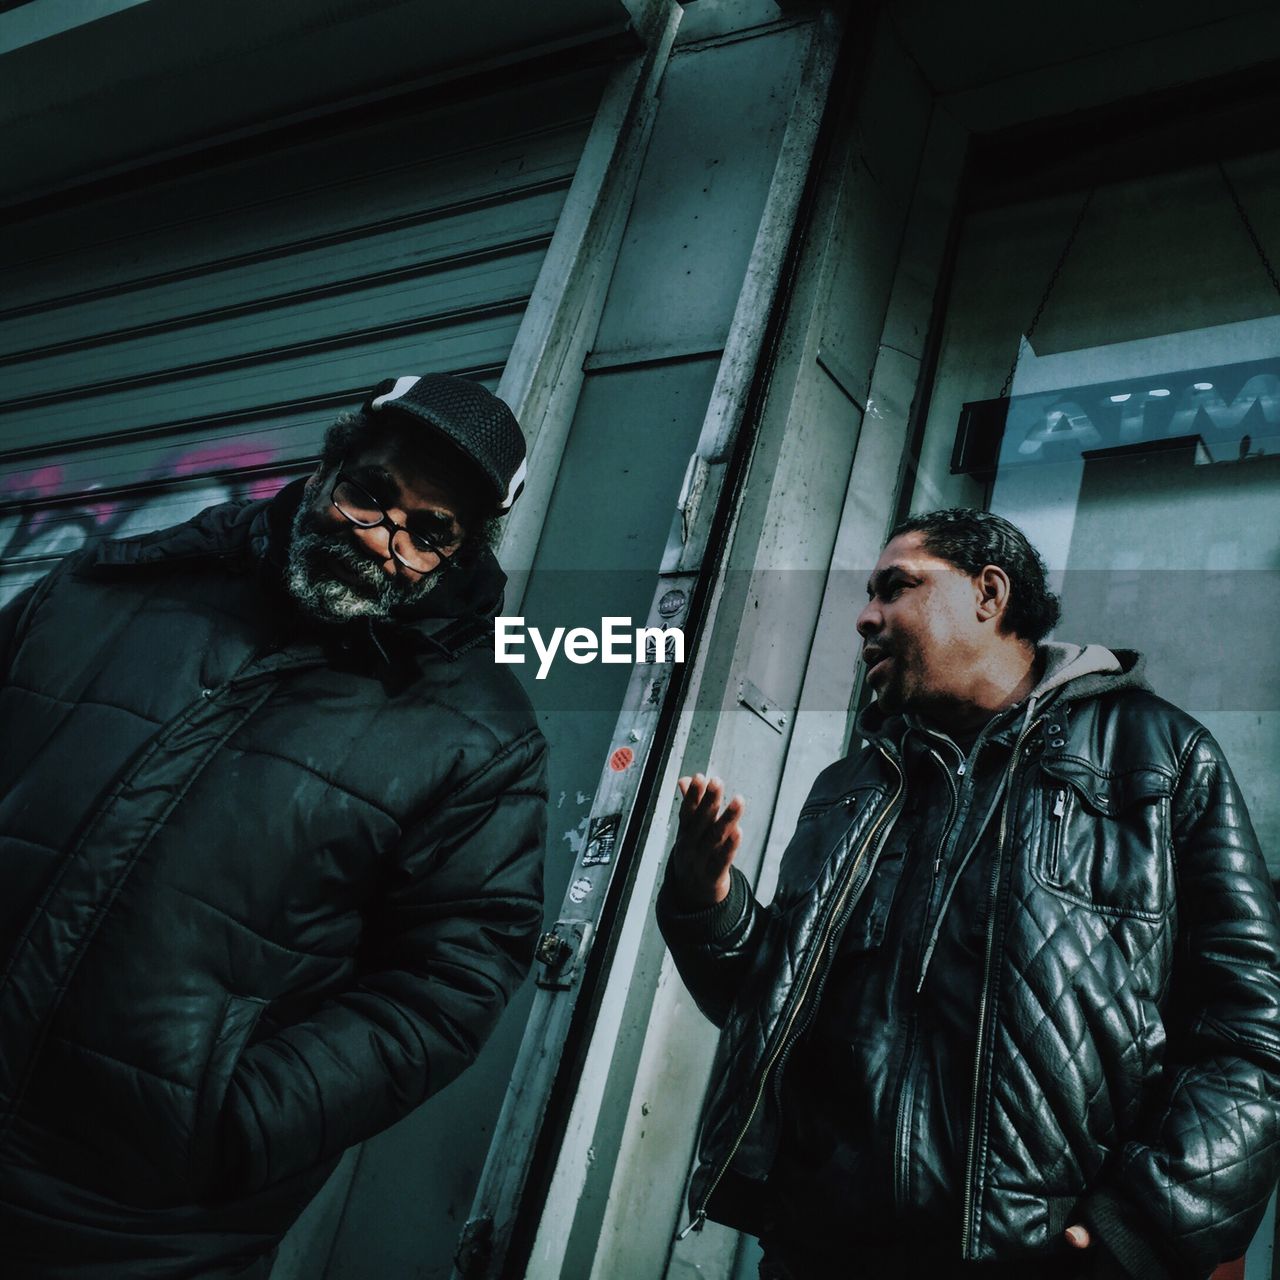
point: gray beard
(311, 582)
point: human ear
(992, 590)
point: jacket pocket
(1104, 842)
(825, 832)
(866, 927)
(240, 1015)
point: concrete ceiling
(999, 63)
(153, 76)
(149, 77)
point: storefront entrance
(1139, 444)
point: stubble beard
(888, 698)
(325, 597)
(894, 696)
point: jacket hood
(1083, 671)
(453, 617)
(1070, 672)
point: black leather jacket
(1128, 1036)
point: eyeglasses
(413, 550)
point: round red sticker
(621, 759)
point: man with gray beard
(272, 824)
(345, 561)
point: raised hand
(706, 842)
(1078, 1236)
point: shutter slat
(192, 342)
(445, 299)
(429, 247)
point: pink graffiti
(43, 482)
(102, 512)
(236, 457)
(221, 455)
(42, 515)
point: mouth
(344, 572)
(874, 659)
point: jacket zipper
(966, 1226)
(834, 919)
(951, 814)
(959, 871)
(1055, 843)
(796, 1032)
(906, 1097)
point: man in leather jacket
(1014, 1010)
(271, 834)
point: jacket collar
(1069, 673)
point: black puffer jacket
(1128, 1057)
(263, 890)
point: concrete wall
(821, 481)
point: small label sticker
(671, 603)
(579, 889)
(621, 759)
(602, 835)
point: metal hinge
(754, 700)
(561, 953)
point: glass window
(1140, 446)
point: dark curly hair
(348, 432)
(970, 540)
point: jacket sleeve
(453, 938)
(714, 948)
(719, 950)
(16, 614)
(13, 615)
(1195, 1186)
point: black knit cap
(470, 417)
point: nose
(377, 542)
(869, 620)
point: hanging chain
(1048, 289)
(1248, 226)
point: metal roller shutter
(189, 341)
